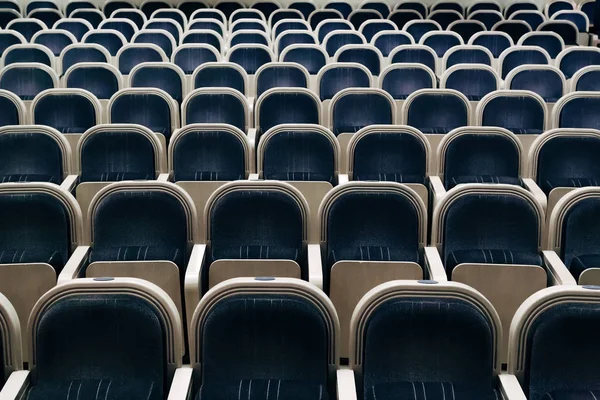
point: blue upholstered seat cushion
(391, 177)
(525, 131)
(32, 255)
(256, 252)
(136, 253)
(29, 178)
(113, 389)
(510, 180)
(572, 395)
(428, 391)
(489, 256)
(301, 176)
(432, 129)
(72, 129)
(116, 176)
(373, 253)
(548, 185)
(262, 389)
(583, 262)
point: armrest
(73, 267)
(343, 179)
(15, 386)
(252, 146)
(510, 388)
(558, 270)
(192, 280)
(251, 106)
(536, 191)
(69, 183)
(163, 178)
(181, 385)
(253, 177)
(434, 265)
(438, 189)
(346, 387)
(315, 267)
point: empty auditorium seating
(82, 53)
(220, 74)
(110, 39)
(577, 110)
(474, 80)
(216, 105)
(13, 109)
(189, 56)
(414, 54)
(66, 110)
(436, 111)
(26, 80)
(521, 112)
(467, 54)
(402, 79)
(164, 76)
(567, 30)
(571, 60)
(549, 41)
(273, 75)
(387, 41)
(586, 79)
(101, 79)
(54, 39)
(312, 57)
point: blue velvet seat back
(565, 31)
(203, 38)
(437, 113)
(359, 18)
(280, 77)
(29, 55)
(112, 6)
(290, 348)
(26, 28)
(522, 57)
(287, 108)
(216, 108)
(518, 114)
(120, 26)
(340, 39)
(7, 39)
(413, 5)
(488, 19)
(468, 56)
(47, 17)
(473, 83)
(89, 15)
(9, 5)
(79, 55)
(589, 81)
(322, 15)
(466, 29)
(298, 155)
(188, 7)
(387, 42)
(290, 25)
(211, 25)
(109, 40)
(494, 43)
(383, 8)
(564, 335)
(220, 76)
(365, 56)
(101, 343)
(132, 15)
(266, 8)
(588, 9)
(441, 43)
(116, 156)
(533, 19)
(335, 79)
(340, 6)
(580, 236)
(434, 340)
(353, 112)
(149, 7)
(30, 155)
(149, 221)
(575, 60)
(101, 82)
(559, 6)
(166, 79)
(419, 56)
(166, 26)
(26, 82)
(370, 30)
(295, 38)
(250, 58)
(137, 55)
(582, 112)
(68, 113)
(158, 39)
(172, 15)
(190, 58)
(304, 7)
(149, 110)
(77, 28)
(249, 38)
(247, 25)
(515, 31)
(312, 59)
(577, 19)
(546, 83)
(472, 155)
(208, 156)
(551, 44)
(449, 5)
(10, 113)
(490, 222)
(36, 228)
(54, 41)
(484, 7)
(6, 17)
(520, 6)
(283, 14)
(401, 82)
(386, 156)
(444, 19)
(419, 29)
(401, 19)
(565, 161)
(331, 26)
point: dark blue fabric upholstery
(287, 108)
(69, 8)
(575, 60)
(580, 238)
(339, 39)
(589, 81)
(89, 15)
(444, 18)
(188, 59)
(26, 28)
(416, 348)
(77, 28)
(188, 7)
(289, 355)
(473, 83)
(568, 162)
(223, 108)
(341, 77)
(330, 26)
(402, 82)
(304, 7)
(518, 114)
(169, 14)
(149, 110)
(10, 112)
(127, 30)
(132, 15)
(515, 31)
(403, 17)
(441, 42)
(417, 30)
(283, 14)
(54, 41)
(137, 55)
(437, 113)
(568, 330)
(9, 5)
(322, 15)
(7, 39)
(117, 156)
(289, 39)
(249, 38)
(494, 43)
(287, 76)
(109, 40)
(168, 26)
(466, 29)
(68, 113)
(547, 83)
(212, 25)
(149, 7)
(468, 56)
(299, 155)
(140, 225)
(27, 156)
(220, 76)
(163, 78)
(46, 16)
(200, 37)
(354, 111)
(341, 6)
(580, 112)
(479, 156)
(499, 226)
(357, 19)
(520, 6)
(381, 7)
(551, 44)
(247, 25)
(559, 6)
(5, 17)
(101, 82)
(35, 228)
(81, 54)
(577, 19)
(312, 59)
(26, 54)
(266, 7)
(489, 19)
(413, 5)
(157, 38)
(250, 58)
(565, 30)
(112, 6)
(371, 29)
(390, 156)
(389, 41)
(114, 346)
(26, 82)
(419, 56)
(290, 25)
(208, 156)
(522, 57)
(533, 19)
(449, 5)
